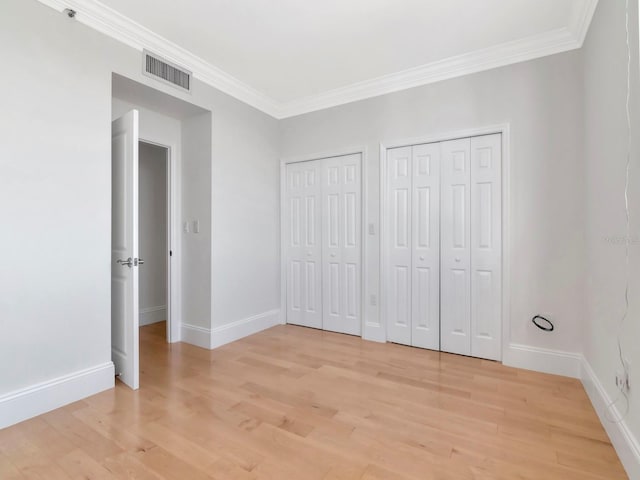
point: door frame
(173, 263)
(505, 130)
(341, 152)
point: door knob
(333, 254)
(309, 254)
(421, 257)
(458, 259)
(126, 263)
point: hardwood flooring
(294, 404)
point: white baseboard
(556, 362)
(194, 335)
(243, 328)
(623, 440)
(46, 396)
(151, 315)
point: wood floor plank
(297, 403)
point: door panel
(425, 291)
(455, 184)
(486, 247)
(341, 252)
(124, 246)
(303, 249)
(397, 298)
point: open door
(124, 248)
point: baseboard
(37, 399)
(556, 362)
(194, 335)
(623, 440)
(153, 315)
(243, 328)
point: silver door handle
(126, 263)
(138, 261)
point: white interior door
(425, 285)
(341, 243)
(124, 248)
(455, 280)
(304, 243)
(397, 300)
(486, 247)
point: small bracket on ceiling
(71, 13)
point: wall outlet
(622, 381)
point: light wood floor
(293, 404)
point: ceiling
(294, 55)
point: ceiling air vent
(155, 67)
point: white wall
(55, 198)
(55, 192)
(196, 206)
(153, 233)
(246, 214)
(542, 101)
(605, 85)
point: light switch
(185, 227)
(196, 226)
(372, 229)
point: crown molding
(108, 21)
(537, 46)
(581, 19)
(104, 19)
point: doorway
(142, 226)
(154, 237)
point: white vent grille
(155, 67)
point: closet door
(303, 244)
(455, 320)
(425, 285)
(486, 247)
(397, 302)
(341, 244)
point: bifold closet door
(303, 243)
(471, 243)
(486, 246)
(455, 245)
(341, 243)
(412, 238)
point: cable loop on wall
(539, 322)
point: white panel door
(455, 308)
(124, 248)
(398, 231)
(486, 247)
(341, 244)
(304, 244)
(425, 285)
